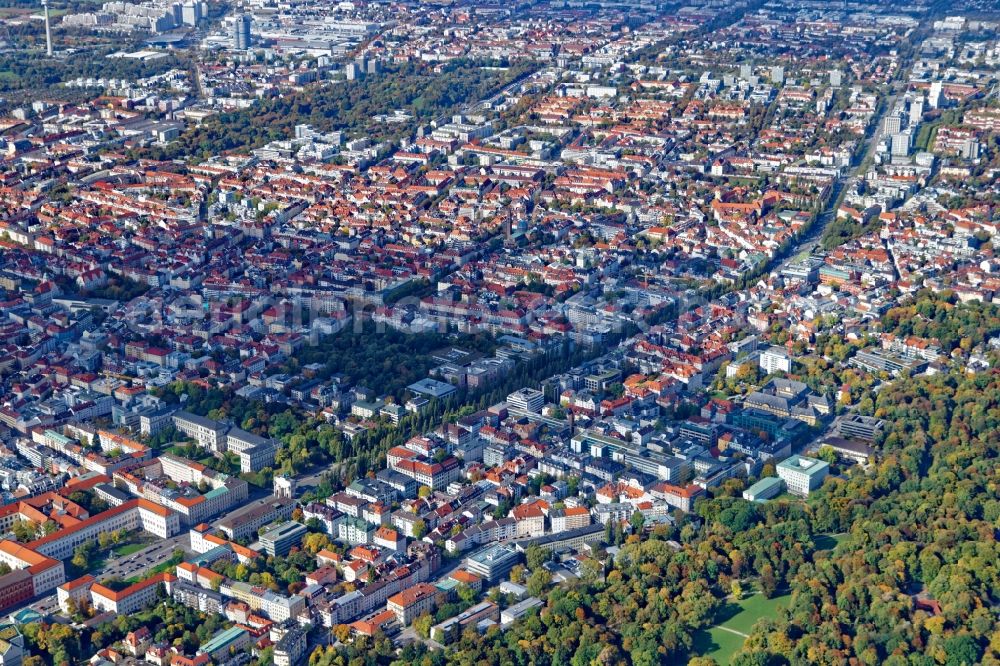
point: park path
(732, 631)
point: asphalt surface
(126, 566)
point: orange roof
(364, 553)
(197, 660)
(387, 534)
(86, 579)
(143, 504)
(526, 511)
(463, 576)
(83, 483)
(371, 625)
(108, 593)
(412, 595)
(205, 572)
(242, 551)
(123, 442)
(691, 490)
(33, 561)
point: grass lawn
(926, 135)
(129, 548)
(167, 565)
(752, 609)
(162, 567)
(739, 617)
(716, 643)
(828, 541)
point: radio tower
(48, 30)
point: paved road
(810, 240)
(126, 566)
(310, 481)
(46, 605)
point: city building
(290, 649)
(246, 521)
(802, 475)
(12, 646)
(775, 359)
(493, 563)
(481, 615)
(412, 603)
(241, 32)
(764, 489)
(281, 539)
(133, 598)
(859, 427)
(514, 613)
(569, 518)
(225, 643)
(526, 400)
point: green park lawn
(828, 541)
(720, 644)
(752, 609)
(717, 643)
(129, 548)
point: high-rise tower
(48, 29)
(241, 32)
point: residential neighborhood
(329, 328)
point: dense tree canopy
(422, 90)
(937, 317)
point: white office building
(802, 475)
